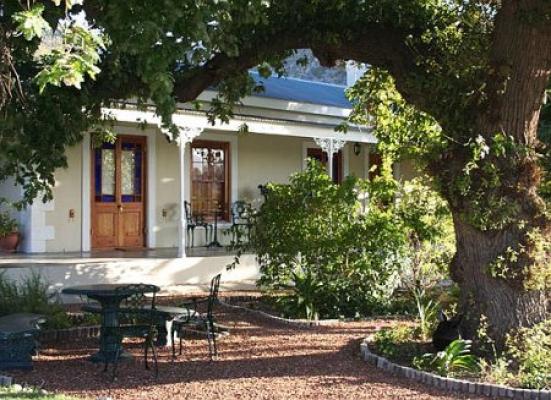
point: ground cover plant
(18, 392)
(32, 295)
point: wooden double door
(119, 193)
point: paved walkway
(260, 360)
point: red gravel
(261, 359)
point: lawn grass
(17, 393)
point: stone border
(450, 384)
(303, 323)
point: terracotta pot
(8, 244)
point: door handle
(120, 208)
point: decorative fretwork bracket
(330, 146)
(186, 134)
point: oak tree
(456, 84)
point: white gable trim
(255, 125)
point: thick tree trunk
(518, 75)
(506, 304)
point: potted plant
(9, 236)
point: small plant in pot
(9, 235)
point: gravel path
(261, 359)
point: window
(321, 156)
(210, 179)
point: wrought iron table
(215, 242)
(110, 297)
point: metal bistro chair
(241, 213)
(138, 320)
(198, 323)
(194, 221)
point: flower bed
(447, 383)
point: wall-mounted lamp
(357, 148)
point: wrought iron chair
(199, 323)
(139, 319)
(241, 213)
(195, 221)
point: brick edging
(77, 332)
(450, 384)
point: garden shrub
(31, 295)
(396, 341)
(335, 255)
(530, 352)
(313, 241)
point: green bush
(7, 224)
(31, 296)
(343, 250)
(313, 241)
(530, 351)
(396, 341)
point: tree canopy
(457, 84)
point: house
(118, 210)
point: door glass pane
(104, 172)
(107, 172)
(131, 172)
(128, 170)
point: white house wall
(67, 196)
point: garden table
(215, 242)
(110, 297)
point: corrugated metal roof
(292, 89)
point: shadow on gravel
(257, 349)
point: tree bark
(505, 304)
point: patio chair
(241, 213)
(198, 323)
(139, 319)
(195, 221)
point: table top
(18, 324)
(107, 289)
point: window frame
(226, 147)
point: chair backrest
(187, 211)
(213, 294)
(241, 212)
(139, 306)
(264, 191)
